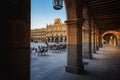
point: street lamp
(57, 4)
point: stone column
(59, 38)
(74, 36)
(54, 39)
(15, 42)
(74, 46)
(118, 42)
(46, 39)
(85, 43)
(97, 40)
(90, 37)
(94, 42)
(100, 40)
(89, 19)
(114, 42)
(94, 38)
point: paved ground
(104, 66)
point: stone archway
(48, 39)
(110, 39)
(113, 37)
(57, 39)
(52, 39)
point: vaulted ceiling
(106, 13)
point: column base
(76, 70)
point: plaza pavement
(105, 65)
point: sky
(42, 13)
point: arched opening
(61, 39)
(110, 39)
(48, 39)
(57, 39)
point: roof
(106, 13)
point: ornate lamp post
(57, 4)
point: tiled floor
(104, 66)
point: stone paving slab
(105, 65)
